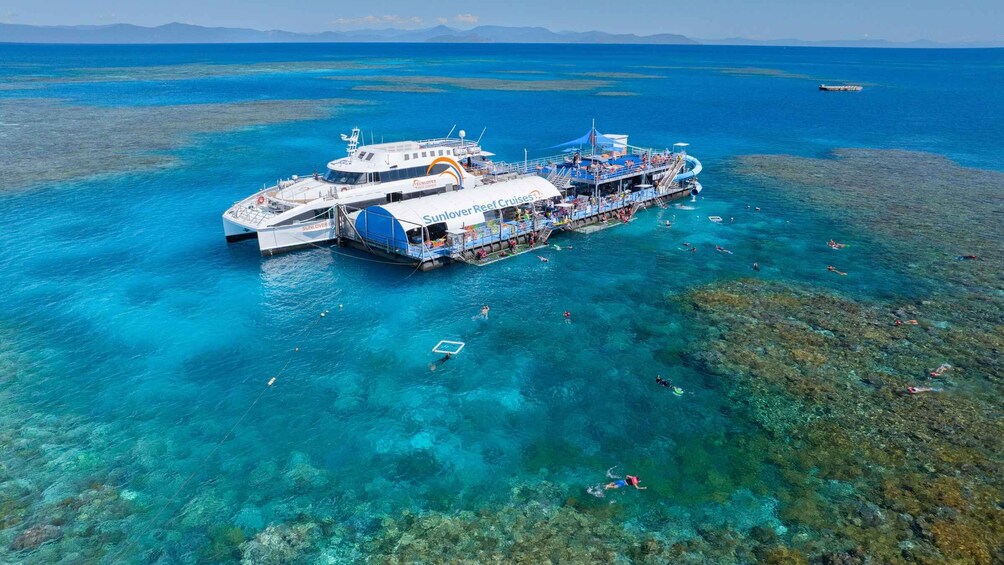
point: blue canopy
(592, 137)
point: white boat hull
(272, 240)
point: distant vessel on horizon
(840, 87)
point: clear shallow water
(151, 334)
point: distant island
(187, 33)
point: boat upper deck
(608, 167)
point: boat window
(375, 177)
(414, 155)
(344, 177)
(370, 156)
(415, 235)
(440, 152)
(423, 154)
(437, 231)
(406, 156)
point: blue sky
(939, 20)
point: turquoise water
(137, 337)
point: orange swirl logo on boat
(452, 168)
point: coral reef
(287, 543)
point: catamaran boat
(300, 211)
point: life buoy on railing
(261, 200)
(343, 189)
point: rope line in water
(174, 496)
(268, 385)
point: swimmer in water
(484, 311)
(662, 381)
(542, 259)
(434, 366)
(835, 245)
(920, 389)
(669, 224)
(940, 370)
(966, 258)
(693, 249)
(686, 244)
(721, 249)
(627, 480)
(833, 269)
(756, 266)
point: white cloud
(443, 21)
(468, 19)
(388, 20)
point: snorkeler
(686, 244)
(833, 269)
(484, 311)
(721, 249)
(543, 259)
(920, 389)
(693, 249)
(940, 370)
(662, 381)
(669, 224)
(834, 245)
(434, 366)
(756, 266)
(627, 480)
(966, 258)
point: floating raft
(840, 88)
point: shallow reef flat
(872, 471)
(475, 83)
(923, 209)
(826, 376)
(78, 141)
(414, 88)
(737, 71)
(611, 75)
(191, 71)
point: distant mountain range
(186, 33)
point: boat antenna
(353, 142)
(592, 138)
(451, 131)
(478, 142)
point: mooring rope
(177, 492)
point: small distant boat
(840, 87)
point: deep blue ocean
(134, 337)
